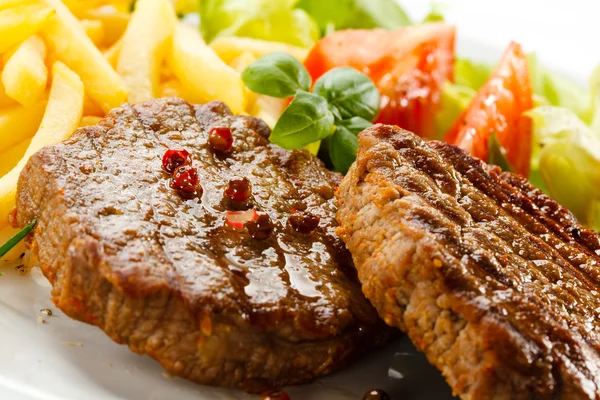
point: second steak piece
(166, 274)
(496, 283)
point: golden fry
(144, 43)
(25, 75)
(172, 88)
(113, 21)
(242, 61)
(61, 118)
(94, 30)
(18, 23)
(112, 54)
(9, 158)
(5, 101)
(18, 123)
(6, 232)
(229, 48)
(91, 108)
(13, 3)
(70, 44)
(203, 74)
(89, 120)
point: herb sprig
(13, 241)
(342, 103)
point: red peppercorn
(261, 228)
(276, 394)
(174, 158)
(239, 189)
(220, 138)
(304, 222)
(185, 179)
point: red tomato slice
(408, 65)
(498, 107)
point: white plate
(67, 360)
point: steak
(166, 275)
(496, 283)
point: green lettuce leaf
(276, 20)
(566, 157)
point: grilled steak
(166, 275)
(493, 280)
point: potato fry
(203, 74)
(18, 123)
(112, 54)
(68, 42)
(172, 88)
(89, 120)
(144, 43)
(25, 74)
(113, 21)
(229, 48)
(18, 23)
(61, 118)
(91, 108)
(13, 3)
(5, 101)
(9, 158)
(79, 7)
(242, 61)
(6, 233)
(94, 30)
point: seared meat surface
(166, 274)
(496, 283)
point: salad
(515, 114)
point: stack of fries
(65, 64)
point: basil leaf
(13, 241)
(306, 120)
(342, 148)
(349, 93)
(277, 75)
(356, 124)
(496, 154)
(357, 14)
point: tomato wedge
(498, 108)
(408, 65)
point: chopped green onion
(13, 241)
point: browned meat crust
(168, 277)
(493, 280)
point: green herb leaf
(496, 154)
(12, 242)
(357, 14)
(355, 124)
(342, 148)
(436, 13)
(349, 93)
(306, 120)
(276, 75)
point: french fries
(13, 3)
(61, 118)
(19, 22)
(5, 101)
(6, 233)
(63, 34)
(95, 30)
(25, 75)
(9, 158)
(18, 123)
(229, 48)
(114, 22)
(204, 75)
(144, 42)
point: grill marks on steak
(168, 276)
(493, 280)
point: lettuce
(276, 20)
(356, 14)
(567, 158)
